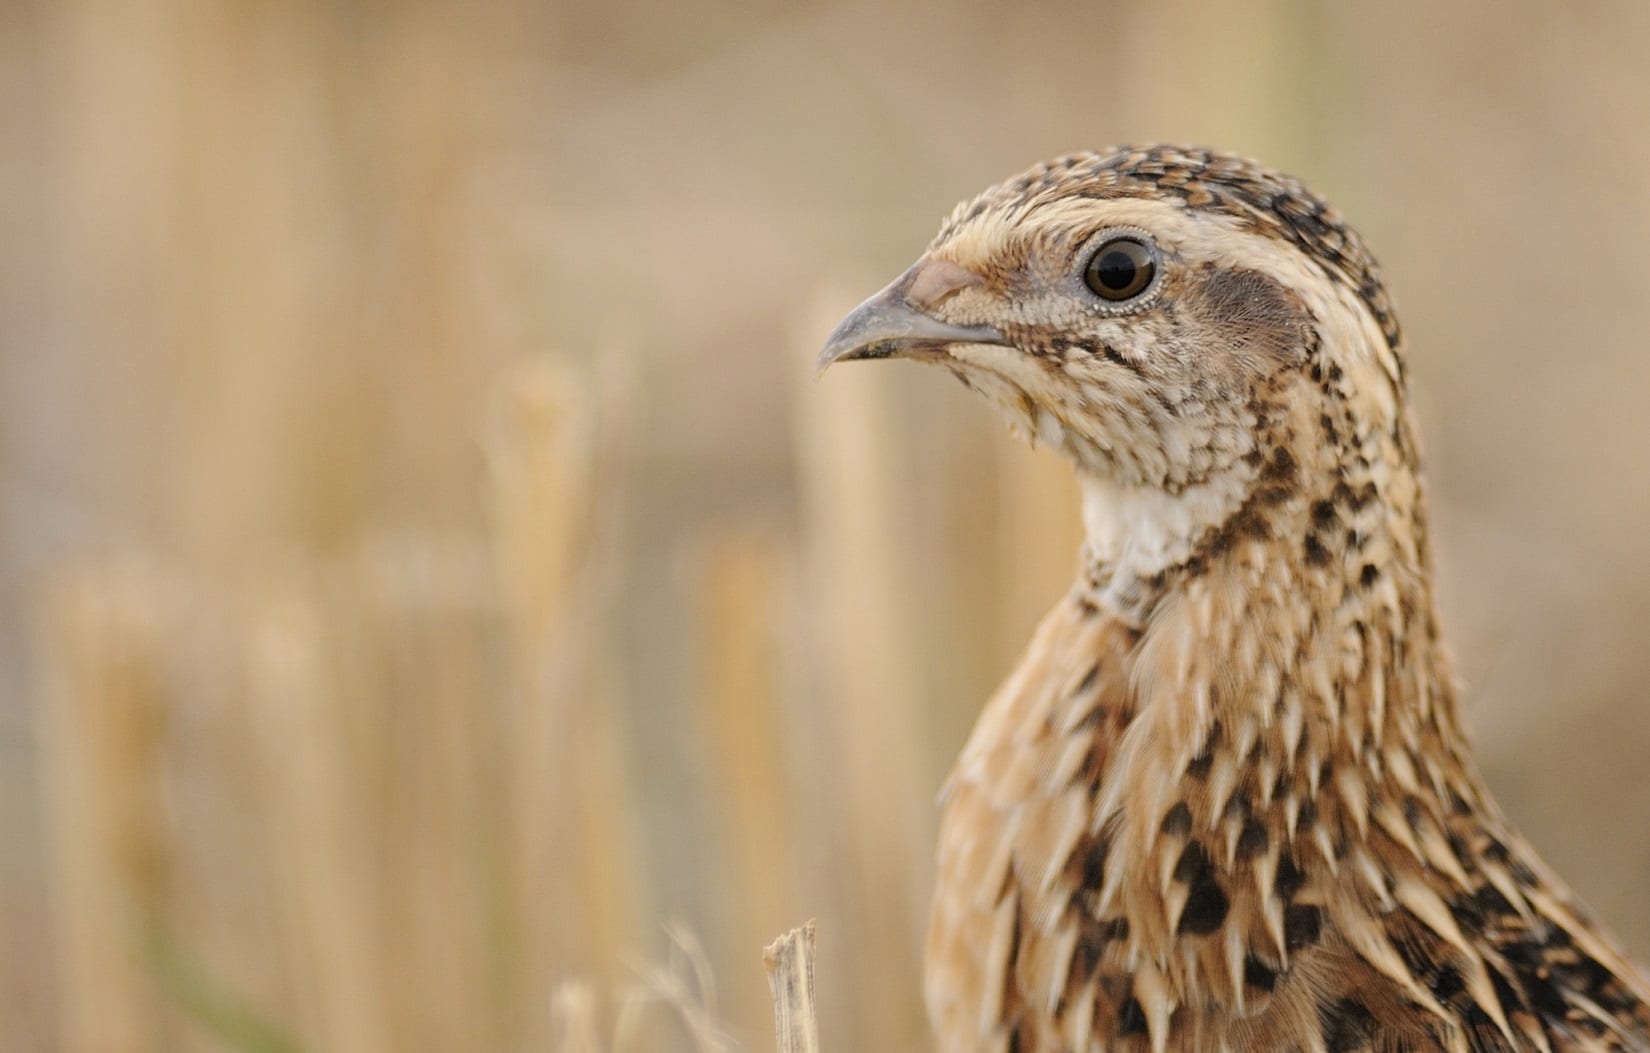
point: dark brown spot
(1111, 929)
(1316, 554)
(1477, 1019)
(1206, 907)
(1131, 1019)
(1257, 973)
(1511, 1002)
(1447, 983)
(1544, 995)
(1084, 959)
(1413, 812)
(1347, 1025)
(1092, 938)
(1469, 911)
(1192, 865)
(1179, 820)
(1094, 762)
(1253, 841)
(1274, 495)
(1282, 466)
(1308, 816)
(1302, 925)
(1090, 858)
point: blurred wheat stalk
(424, 779)
(387, 802)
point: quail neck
(1225, 801)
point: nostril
(934, 281)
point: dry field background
(428, 568)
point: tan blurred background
(429, 568)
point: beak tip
(852, 336)
(827, 355)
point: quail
(1225, 801)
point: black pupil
(1116, 270)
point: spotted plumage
(1225, 800)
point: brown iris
(1121, 269)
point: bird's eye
(1121, 269)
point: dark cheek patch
(1258, 324)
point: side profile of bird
(1225, 802)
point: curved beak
(895, 324)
